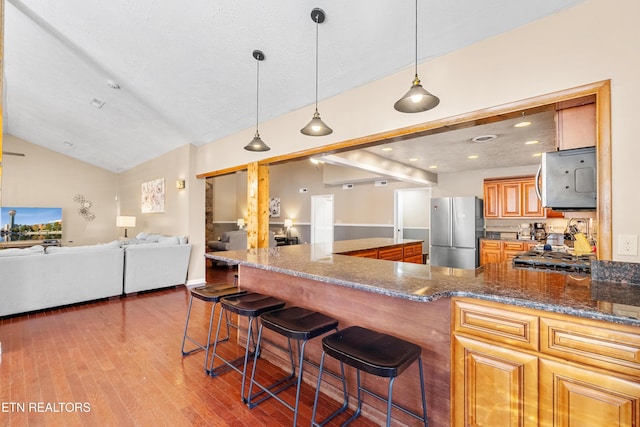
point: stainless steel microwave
(567, 179)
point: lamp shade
(417, 99)
(240, 222)
(125, 221)
(288, 223)
(316, 127)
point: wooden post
(257, 206)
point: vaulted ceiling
(185, 70)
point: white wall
(184, 209)
(593, 41)
(44, 178)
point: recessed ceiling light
(68, 144)
(413, 159)
(535, 141)
(473, 156)
(522, 124)
(387, 149)
(433, 167)
(484, 138)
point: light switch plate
(628, 244)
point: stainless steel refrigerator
(457, 224)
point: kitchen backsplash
(508, 228)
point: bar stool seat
(209, 293)
(377, 354)
(250, 305)
(295, 323)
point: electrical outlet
(628, 244)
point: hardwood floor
(118, 363)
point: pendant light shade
(417, 99)
(256, 143)
(316, 126)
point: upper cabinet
(512, 198)
(576, 127)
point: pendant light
(417, 99)
(257, 144)
(316, 126)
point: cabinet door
(491, 196)
(576, 127)
(573, 396)
(493, 386)
(490, 251)
(531, 205)
(510, 195)
(511, 249)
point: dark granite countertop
(572, 294)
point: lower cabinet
(575, 396)
(492, 251)
(519, 367)
(498, 387)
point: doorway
(412, 216)
(322, 219)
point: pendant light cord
(317, 25)
(416, 45)
(257, 90)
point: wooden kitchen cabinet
(492, 251)
(531, 205)
(499, 386)
(574, 396)
(576, 127)
(391, 254)
(514, 366)
(404, 252)
(512, 198)
(491, 197)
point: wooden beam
(257, 206)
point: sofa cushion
(60, 249)
(33, 250)
(168, 240)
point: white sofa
(32, 280)
(154, 261)
(35, 279)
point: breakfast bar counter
(568, 293)
(440, 309)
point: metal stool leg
(345, 403)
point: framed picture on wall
(274, 207)
(153, 196)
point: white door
(322, 219)
(411, 210)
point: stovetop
(553, 260)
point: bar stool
(209, 293)
(295, 323)
(250, 305)
(376, 353)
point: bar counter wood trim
(427, 325)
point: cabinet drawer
(416, 259)
(496, 324)
(513, 246)
(412, 250)
(592, 344)
(391, 254)
(491, 244)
